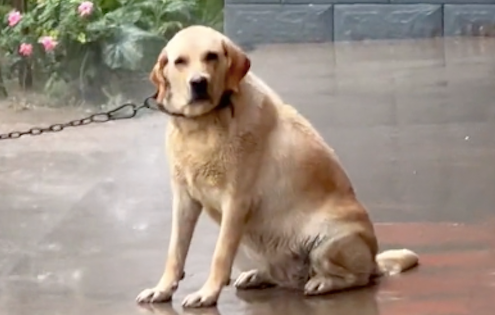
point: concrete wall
(289, 21)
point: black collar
(225, 102)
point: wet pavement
(85, 213)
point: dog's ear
(238, 63)
(158, 79)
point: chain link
(125, 111)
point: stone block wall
(298, 21)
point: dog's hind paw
(252, 279)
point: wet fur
(287, 210)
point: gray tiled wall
(286, 21)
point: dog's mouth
(224, 102)
(197, 98)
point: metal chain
(125, 111)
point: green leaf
(4, 10)
(124, 15)
(177, 5)
(209, 12)
(96, 26)
(110, 5)
(130, 47)
(167, 27)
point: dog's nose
(199, 87)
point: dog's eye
(180, 61)
(211, 56)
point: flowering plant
(85, 42)
(41, 38)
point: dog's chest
(202, 165)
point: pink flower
(48, 42)
(25, 49)
(13, 18)
(85, 8)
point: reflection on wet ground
(85, 214)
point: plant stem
(3, 89)
(25, 77)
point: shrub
(86, 46)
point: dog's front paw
(155, 295)
(201, 298)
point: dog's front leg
(234, 213)
(185, 214)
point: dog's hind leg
(340, 263)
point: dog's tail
(392, 262)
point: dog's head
(194, 70)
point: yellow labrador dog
(261, 171)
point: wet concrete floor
(85, 214)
